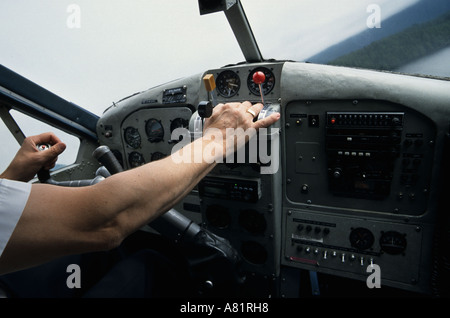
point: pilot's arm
(59, 221)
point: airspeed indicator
(228, 83)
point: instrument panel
(377, 161)
(238, 82)
(357, 182)
(353, 176)
(147, 134)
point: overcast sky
(119, 47)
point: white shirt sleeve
(13, 198)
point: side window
(9, 146)
(31, 126)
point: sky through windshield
(119, 47)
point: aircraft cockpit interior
(348, 194)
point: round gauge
(135, 159)
(268, 84)
(254, 252)
(252, 221)
(132, 137)
(228, 83)
(393, 242)
(157, 155)
(361, 238)
(154, 130)
(178, 123)
(218, 216)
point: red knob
(259, 77)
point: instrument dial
(178, 123)
(157, 156)
(175, 124)
(228, 83)
(393, 242)
(132, 137)
(135, 159)
(361, 238)
(154, 130)
(268, 84)
(253, 221)
(218, 216)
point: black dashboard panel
(365, 155)
(358, 179)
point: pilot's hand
(237, 118)
(29, 160)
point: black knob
(205, 109)
(305, 188)
(396, 121)
(337, 173)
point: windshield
(410, 36)
(95, 52)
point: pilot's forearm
(144, 193)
